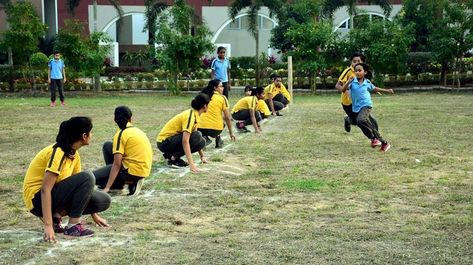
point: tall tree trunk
(97, 87)
(257, 66)
(443, 74)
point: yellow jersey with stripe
(346, 74)
(133, 144)
(274, 90)
(263, 107)
(248, 102)
(212, 119)
(186, 121)
(54, 160)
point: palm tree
(330, 6)
(153, 9)
(254, 6)
(72, 4)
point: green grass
(302, 192)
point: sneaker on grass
(57, 225)
(207, 140)
(385, 147)
(218, 142)
(135, 188)
(78, 230)
(177, 163)
(375, 142)
(347, 124)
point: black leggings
(102, 174)
(75, 195)
(244, 115)
(172, 146)
(352, 116)
(210, 132)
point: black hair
(248, 88)
(122, 116)
(220, 48)
(257, 91)
(275, 76)
(71, 131)
(358, 54)
(210, 89)
(56, 52)
(200, 101)
(366, 68)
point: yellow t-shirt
(263, 108)
(212, 119)
(186, 121)
(50, 159)
(346, 74)
(248, 102)
(274, 90)
(136, 149)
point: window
(266, 24)
(235, 25)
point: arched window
(344, 26)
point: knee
(89, 178)
(107, 147)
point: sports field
(302, 192)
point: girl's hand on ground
(232, 136)
(391, 91)
(194, 168)
(203, 159)
(48, 235)
(99, 221)
(106, 190)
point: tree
(451, 37)
(73, 4)
(293, 14)
(153, 9)
(82, 52)
(313, 42)
(385, 43)
(24, 32)
(421, 15)
(183, 39)
(254, 6)
(330, 6)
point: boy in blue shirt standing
(221, 70)
(56, 78)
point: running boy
(360, 87)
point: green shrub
(39, 59)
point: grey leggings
(75, 195)
(364, 120)
(172, 146)
(102, 174)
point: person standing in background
(56, 78)
(221, 70)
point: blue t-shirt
(360, 94)
(220, 68)
(56, 67)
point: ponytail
(210, 89)
(257, 91)
(200, 101)
(71, 131)
(122, 116)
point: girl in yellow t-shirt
(180, 136)
(211, 121)
(245, 111)
(55, 186)
(128, 158)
